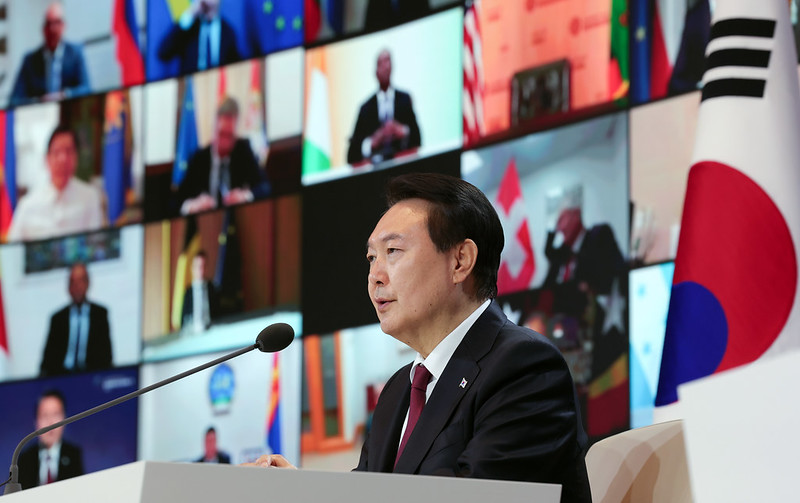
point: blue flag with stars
(274, 25)
(187, 136)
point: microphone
(273, 338)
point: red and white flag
(517, 263)
(472, 105)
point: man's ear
(465, 254)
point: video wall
(175, 175)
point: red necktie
(50, 478)
(418, 388)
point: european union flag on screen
(187, 136)
(273, 25)
(10, 165)
(274, 408)
(116, 165)
(161, 15)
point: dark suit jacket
(517, 418)
(188, 302)
(222, 458)
(185, 45)
(70, 464)
(98, 348)
(31, 82)
(368, 122)
(244, 172)
(598, 262)
(381, 14)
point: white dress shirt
(385, 113)
(48, 460)
(44, 212)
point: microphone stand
(13, 484)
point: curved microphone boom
(273, 338)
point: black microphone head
(275, 337)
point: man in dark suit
(210, 453)
(79, 336)
(484, 398)
(54, 70)
(223, 173)
(201, 38)
(583, 261)
(51, 458)
(198, 316)
(386, 123)
(385, 13)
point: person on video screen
(201, 38)
(51, 458)
(223, 173)
(200, 301)
(212, 454)
(62, 204)
(79, 336)
(386, 123)
(56, 69)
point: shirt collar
(438, 359)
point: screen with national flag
(242, 120)
(102, 50)
(235, 398)
(383, 99)
(214, 280)
(561, 197)
(87, 149)
(186, 36)
(510, 48)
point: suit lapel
(390, 424)
(447, 394)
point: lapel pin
(463, 383)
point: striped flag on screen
(473, 76)
(273, 408)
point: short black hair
(459, 211)
(63, 129)
(211, 429)
(50, 393)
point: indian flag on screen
(317, 141)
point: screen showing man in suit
(223, 173)
(386, 123)
(200, 301)
(211, 454)
(56, 69)
(78, 338)
(583, 261)
(51, 458)
(63, 204)
(483, 397)
(200, 39)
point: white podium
(151, 482)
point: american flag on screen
(473, 76)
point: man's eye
(370, 258)
(391, 250)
